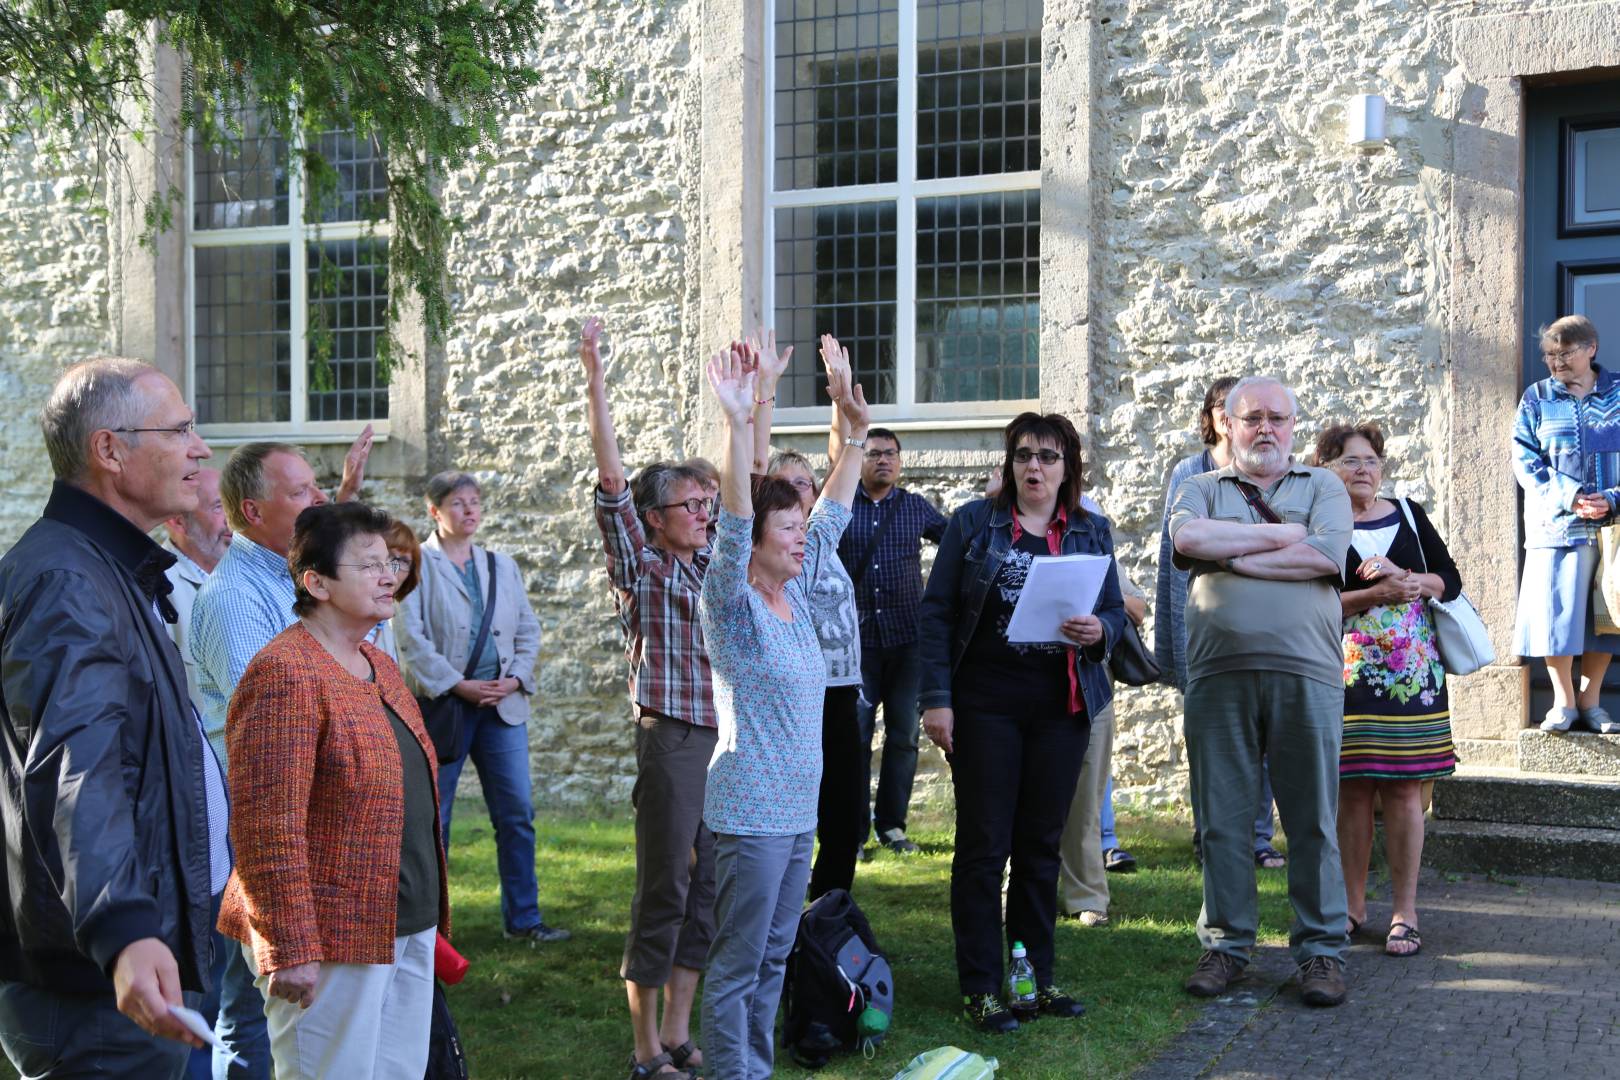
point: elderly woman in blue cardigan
(1566, 457)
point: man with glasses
(246, 601)
(882, 550)
(113, 810)
(655, 536)
(1264, 540)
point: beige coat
(434, 628)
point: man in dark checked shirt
(888, 594)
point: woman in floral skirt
(1397, 722)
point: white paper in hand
(1058, 588)
(200, 1028)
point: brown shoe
(1214, 971)
(1321, 981)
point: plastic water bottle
(1021, 983)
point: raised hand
(771, 364)
(846, 393)
(354, 465)
(590, 351)
(732, 381)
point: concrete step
(1479, 847)
(1517, 799)
(1572, 752)
(1490, 753)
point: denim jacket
(970, 555)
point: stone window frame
(1496, 57)
(731, 254)
(149, 305)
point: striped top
(1562, 446)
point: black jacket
(105, 816)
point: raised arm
(733, 382)
(604, 442)
(850, 402)
(770, 367)
(354, 465)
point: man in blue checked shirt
(245, 602)
(882, 550)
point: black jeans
(1014, 777)
(47, 1033)
(890, 677)
(841, 807)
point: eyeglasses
(179, 431)
(1354, 464)
(1254, 420)
(804, 483)
(1023, 454)
(375, 569)
(1563, 355)
(882, 455)
(693, 506)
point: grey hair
(442, 485)
(96, 394)
(1569, 332)
(655, 485)
(1247, 381)
(242, 478)
(792, 457)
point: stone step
(1572, 752)
(1479, 847)
(1490, 753)
(1516, 799)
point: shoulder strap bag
(1464, 643)
(447, 715)
(890, 512)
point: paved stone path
(1518, 978)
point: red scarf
(1054, 544)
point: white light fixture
(1364, 120)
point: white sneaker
(1559, 719)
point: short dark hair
(400, 535)
(1214, 398)
(318, 538)
(772, 493)
(441, 486)
(884, 433)
(655, 485)
(1330, 444)
(1052, 428)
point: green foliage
(427, 79)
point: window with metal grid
(288, 291)
(903, 203)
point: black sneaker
(989, 1014)
(897, 841)
(538, 934)
(1214, 972)
(1054, 1002)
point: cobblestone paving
(1518, 978)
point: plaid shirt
(889, 596)
(657, 596)
(1563, 446)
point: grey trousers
(1082, 879)
(760, 883)
(1232, 719)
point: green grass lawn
(559, 1010)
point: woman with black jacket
(1013, 718)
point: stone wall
(1234, 232)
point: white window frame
(904, 193)
(297, 236)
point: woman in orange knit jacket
(339, 884)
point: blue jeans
(1109, 839)
(500, 753)
(51, 1034)
(241, 1024)
(890, 677)
(200, 1065)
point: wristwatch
(859, 444)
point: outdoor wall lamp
(1364, 121)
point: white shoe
(1093, 918)
(1559, 719)
(1598, 719)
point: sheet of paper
(1058, 588)
(201, 1028)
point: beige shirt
(1241, 623)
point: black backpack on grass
(838, 993)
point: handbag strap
(890, 512)
(483, 627)
(1257, 502)
(1406, 512)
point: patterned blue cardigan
(1563, 446)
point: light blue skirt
(1555, 604)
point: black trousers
(841, 808)
(1014, 777)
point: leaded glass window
(903, 208)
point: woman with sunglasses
(1014, 718)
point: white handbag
(1465, 645)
